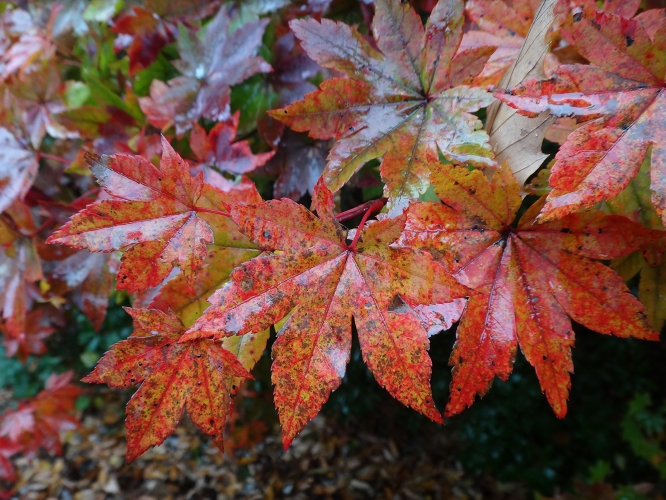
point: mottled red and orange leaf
(530, 278)
(313, 277)
(173, 376)
(155, 217)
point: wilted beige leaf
(516, 138)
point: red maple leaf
(7, 449)
(37, 422)
(172, 375)
(324, 282)
(531, 279)
(218, 149)
(189, 300)
(402, 102)
(18, 167)
(156, 218)
(149, 35)
(33, 45)
(19, 270)
(289, 82)
(298, 164)
(209, 66)
(37, 326)
(39, 98)
(622, 98)
(153, 27)
(90, 275)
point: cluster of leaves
(212, 268)
(37, 422)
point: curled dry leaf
(514, 138)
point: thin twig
(356, 211)
(54, 158)
(375, 207)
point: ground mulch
(326, 461)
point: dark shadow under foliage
(512, 434)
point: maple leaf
(209, 66)
(186, 296)
(188, 301)
(531, 279)
(18, 168)
(35, 44)
(402, 103)
(289, 82)
(18, 272)
(148, 30)
(503, 25)
(298, 164)
(590, 8)
(218, 149)
(149, 35)
(91, 275)
(620, 95)
(39, 97)
(36, 326)
(320, 282)
(37, 422)
(147, 145)
(7, 449)
(70, 18)
(157, 218)
(172, 375)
